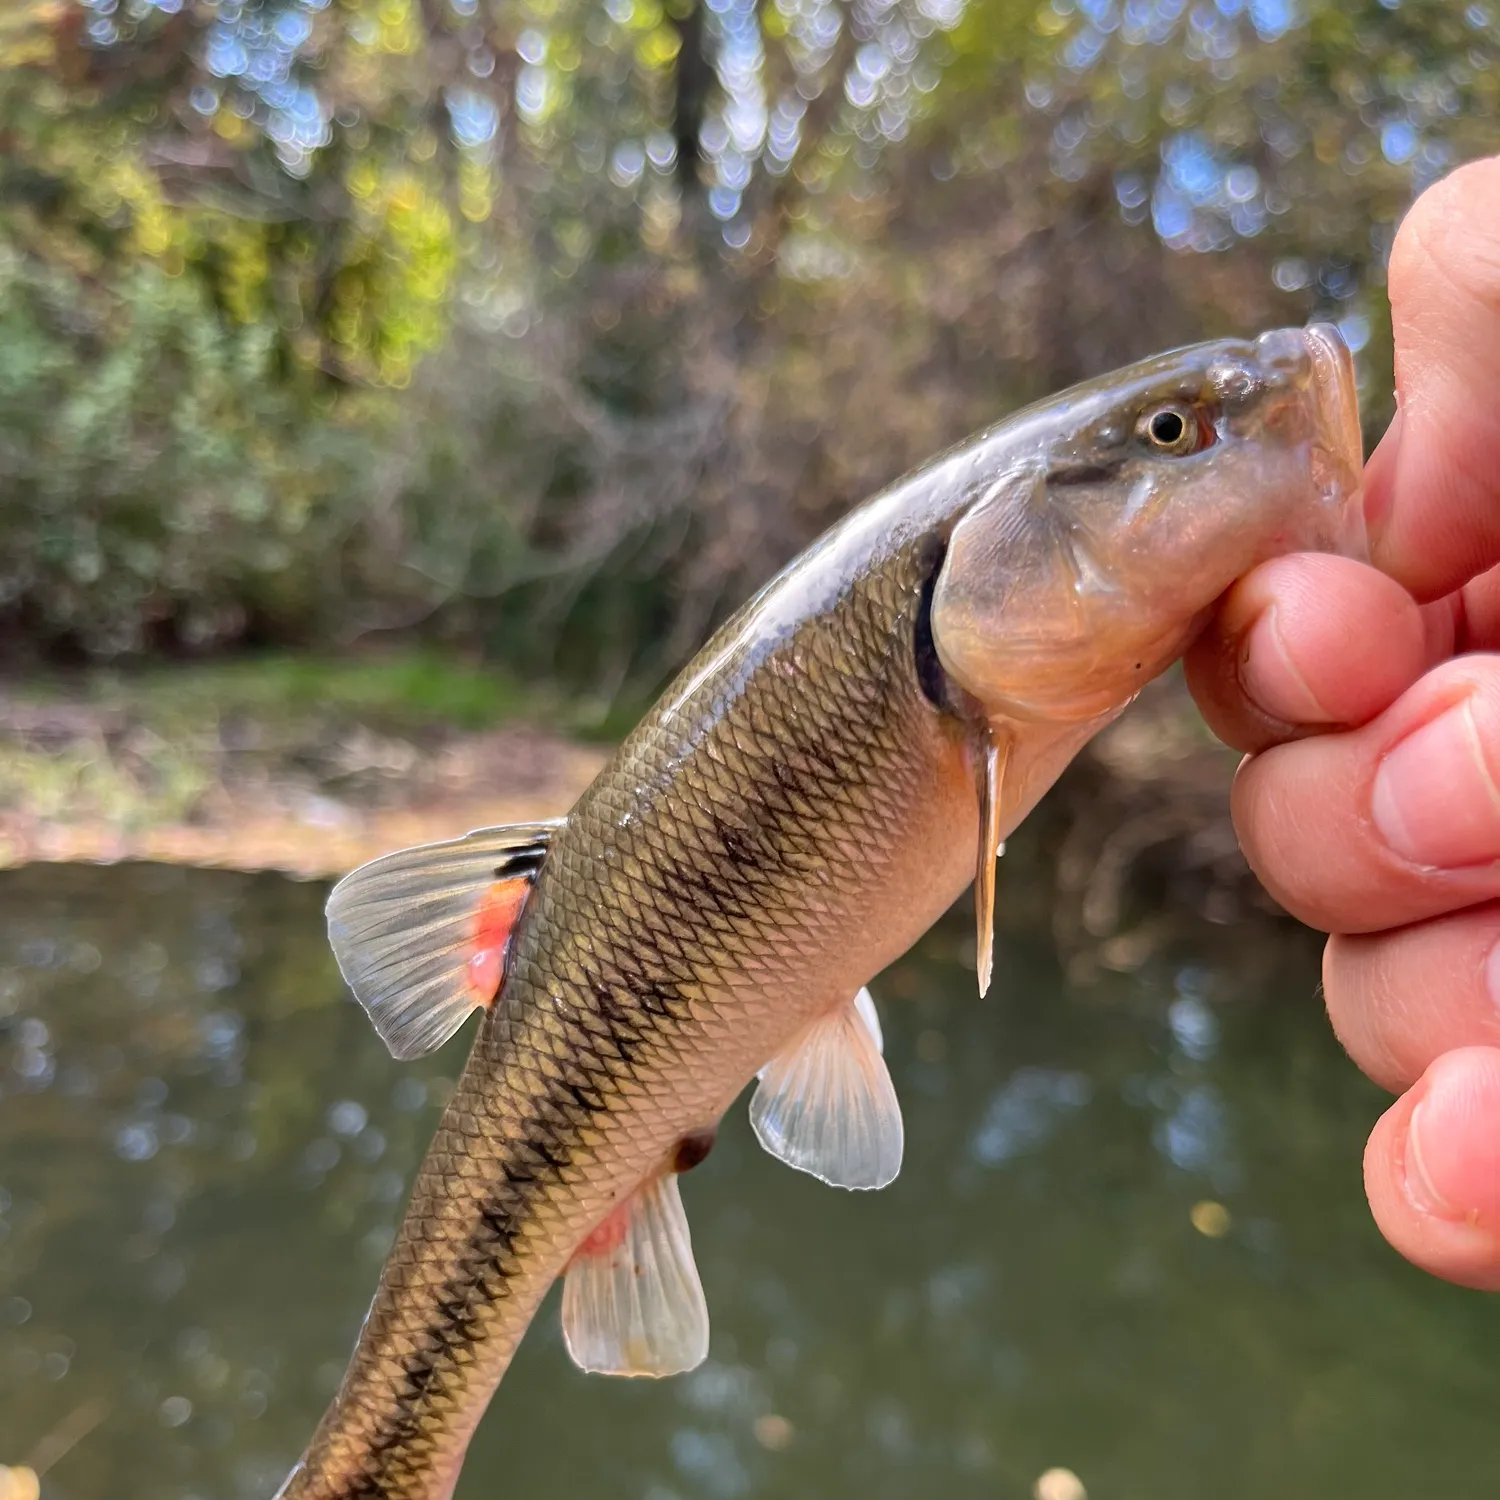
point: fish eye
(1172, 430)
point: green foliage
(126, 146)
(554, 326)
(401, 690)
(161, 483)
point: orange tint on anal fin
(607, 1235)
(494, 921)
(632, 1303)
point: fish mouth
(1339, 452)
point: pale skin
(1368, 699)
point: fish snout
(1300, 393)
(1284, 358)
(1338, 454)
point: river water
(1129, 1238)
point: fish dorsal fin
(632, 1301)
(991, 786)
(421, 935)
(827, 1105)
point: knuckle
(1269, 826)
(1368, 1005)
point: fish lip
(1338, 428)
(1333, 372)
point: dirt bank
(227, 772)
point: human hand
(1370, 806)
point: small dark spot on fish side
(585, 1097)
(555, 1161)
(790, 779)
(739, 845)
(693, 1150)
(1080, 473)
(657, 999)
(501, 1224)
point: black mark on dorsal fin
(524, 860)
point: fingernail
(1271, 679)
(1419, 1184)
(1492, 976)
(1434, 800)
(1451, 1160)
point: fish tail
(481, 1242)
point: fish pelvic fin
(827, 1105)
(422, 935)
(632, 1302)
(991, 787)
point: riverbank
(302, 765)
(310, 766)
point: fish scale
(807, 798)
(757, 860)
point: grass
(404, 689)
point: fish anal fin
(827, 1105)
(632, 1302)
(421, 935)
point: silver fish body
(820, 783)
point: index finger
(1433, 484)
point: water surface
(1129, 1238)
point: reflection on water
(1129, 1238)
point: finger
(1431, 485)
(1432, 1169)
(1289, 649)
(1389, 824)
(1399, 1000)
(1477, 613)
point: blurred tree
(674, 282)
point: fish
(816, 788)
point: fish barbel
(817, 787)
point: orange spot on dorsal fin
(495, 920)
(422, 935)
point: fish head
(1108, 519)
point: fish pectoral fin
(421, 935)
(994, 755)
(632, 1302)
(827, 1105)
(864, 1004)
